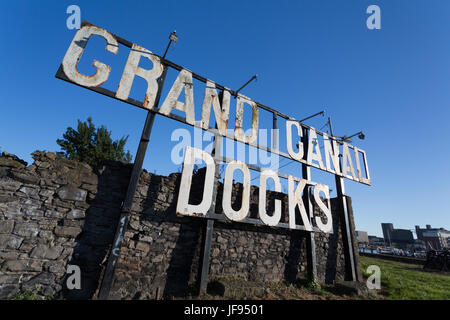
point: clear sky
(312, 55)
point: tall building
(387, 231)
(362, 237)
(399, 236)
(434, 238)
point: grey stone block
(67, 231)
(26, 229)
(76, 214)
(6, 226)
(31, 192)
(16, 265)
(10, 241)
(46, 252)
(73, 193)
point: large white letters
(295, 199)
(275, 218)
(132, 69)
(75, 51)
(326, 209)
(238, 130)
(295, 155)
(184, 80)
(183, 206)
(220, 112)
(242, 213)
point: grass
(402, 281)
(28, 295)
(399, 281)
(240, 289)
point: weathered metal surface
(331, 150)
(131, 190)
(363, 179)
(207, 239)
(132, 69)
(75, 51)
(310, 241)
(347, 162)
(326, 209)
(184, 80)
(211, 215)
(346, 231)
(275, 132)
(295, 199)
(299, 196)
(314, 153)
(245, 84)
(183, 206)
(274, 219)
(350, 262)
(221, 111)
(299, 154)
(258, 222)
(230, 213)
(238, 128)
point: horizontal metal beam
(195, 75)
(61, 75)
(166, 63)
(255, 222)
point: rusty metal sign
(328, 161)
(221, 109)
(338, 157)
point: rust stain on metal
(75, 51)
(69, 71)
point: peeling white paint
(183, 206)
(75, 51)
(265, 218)
(132, 69)
(238, 130)
(183, 81)
(229, 212)
(295, 199)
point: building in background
(434, 238)
(376, 241)
(362, 237)
(419, 245)
(396, 236)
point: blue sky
(391, 83)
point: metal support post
(207, 239)
(275, 132)
(351, 272)
(127, 203)
(310, 242)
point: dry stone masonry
(58, 212)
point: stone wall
(54, 213)
(161, 252)
(58, 212)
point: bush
(92, 145)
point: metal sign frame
(151, 104)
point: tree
(92, 145)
